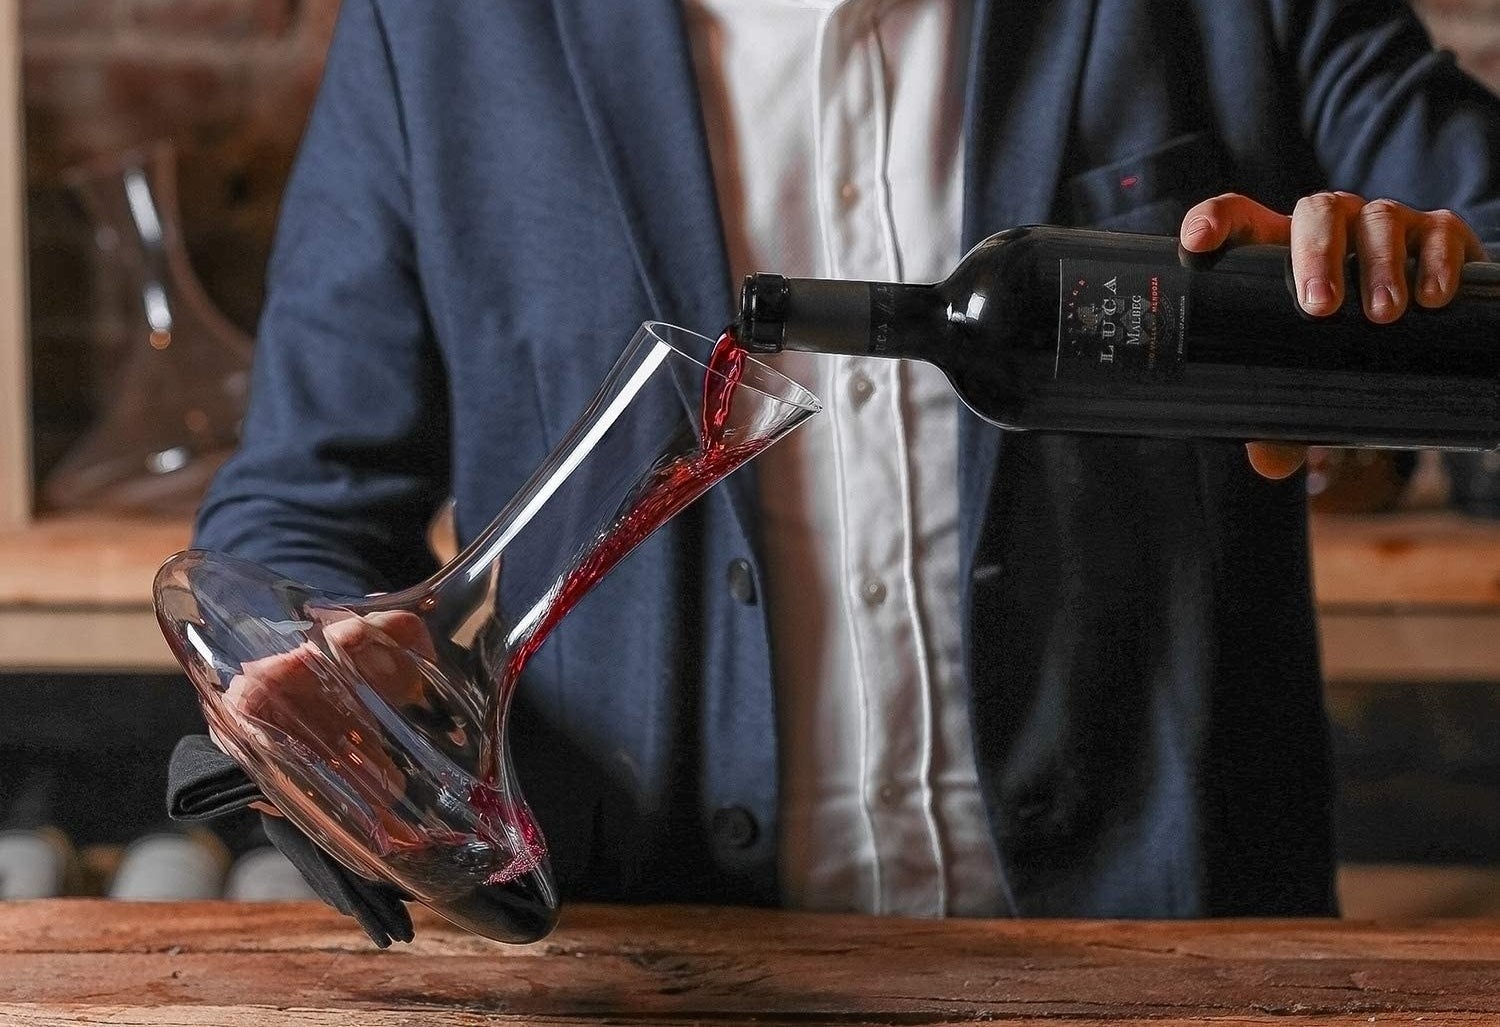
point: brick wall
(230, 81)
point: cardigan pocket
(1149, 191)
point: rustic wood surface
(1439, 559)
(82, 961)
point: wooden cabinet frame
(15, 362)
(75, 591)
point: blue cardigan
(492, 193)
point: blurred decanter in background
(171, 409)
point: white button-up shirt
(835, 133)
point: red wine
(660, 496)
(1058, 329)
(507, 896)
(726, 366)
(519, 909)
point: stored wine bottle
(37, 860)
(172, 864)
(1069, 330)
(34, 864)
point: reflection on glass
(377, 725)
(173, 409)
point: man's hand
(1322, 231)
(294, 693)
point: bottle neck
(814, 315)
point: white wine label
(1121, 321)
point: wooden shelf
(1434, 560)
(1408, 597)
(89, 561)
(1409, 646)
(1411, 597)
(75, 594)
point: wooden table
(84, 961)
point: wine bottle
(34, 864)
(172, 864)
(37, 859)
(1057, 329)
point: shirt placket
(869, 424)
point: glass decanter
(377, 725)
(180, 380)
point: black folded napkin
(202, 782)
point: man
(938, 670)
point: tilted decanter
(377, 725)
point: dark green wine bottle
(1056, 329)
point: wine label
(1121, 321)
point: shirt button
(861, 389)
(741, 581)
(872, 592)
(888, 794)
(734, 827)
(849, 192)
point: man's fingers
(389, 665)
(1445, 242)
(389, 628)
(294, 694)
(404, 628)
(1320, 234)
(1439, 260)
(348, 631)
(1381, 232)
(1231, 218)
(263, 683)
(1275, 460)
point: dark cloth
(203, 783)
(490, 196)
